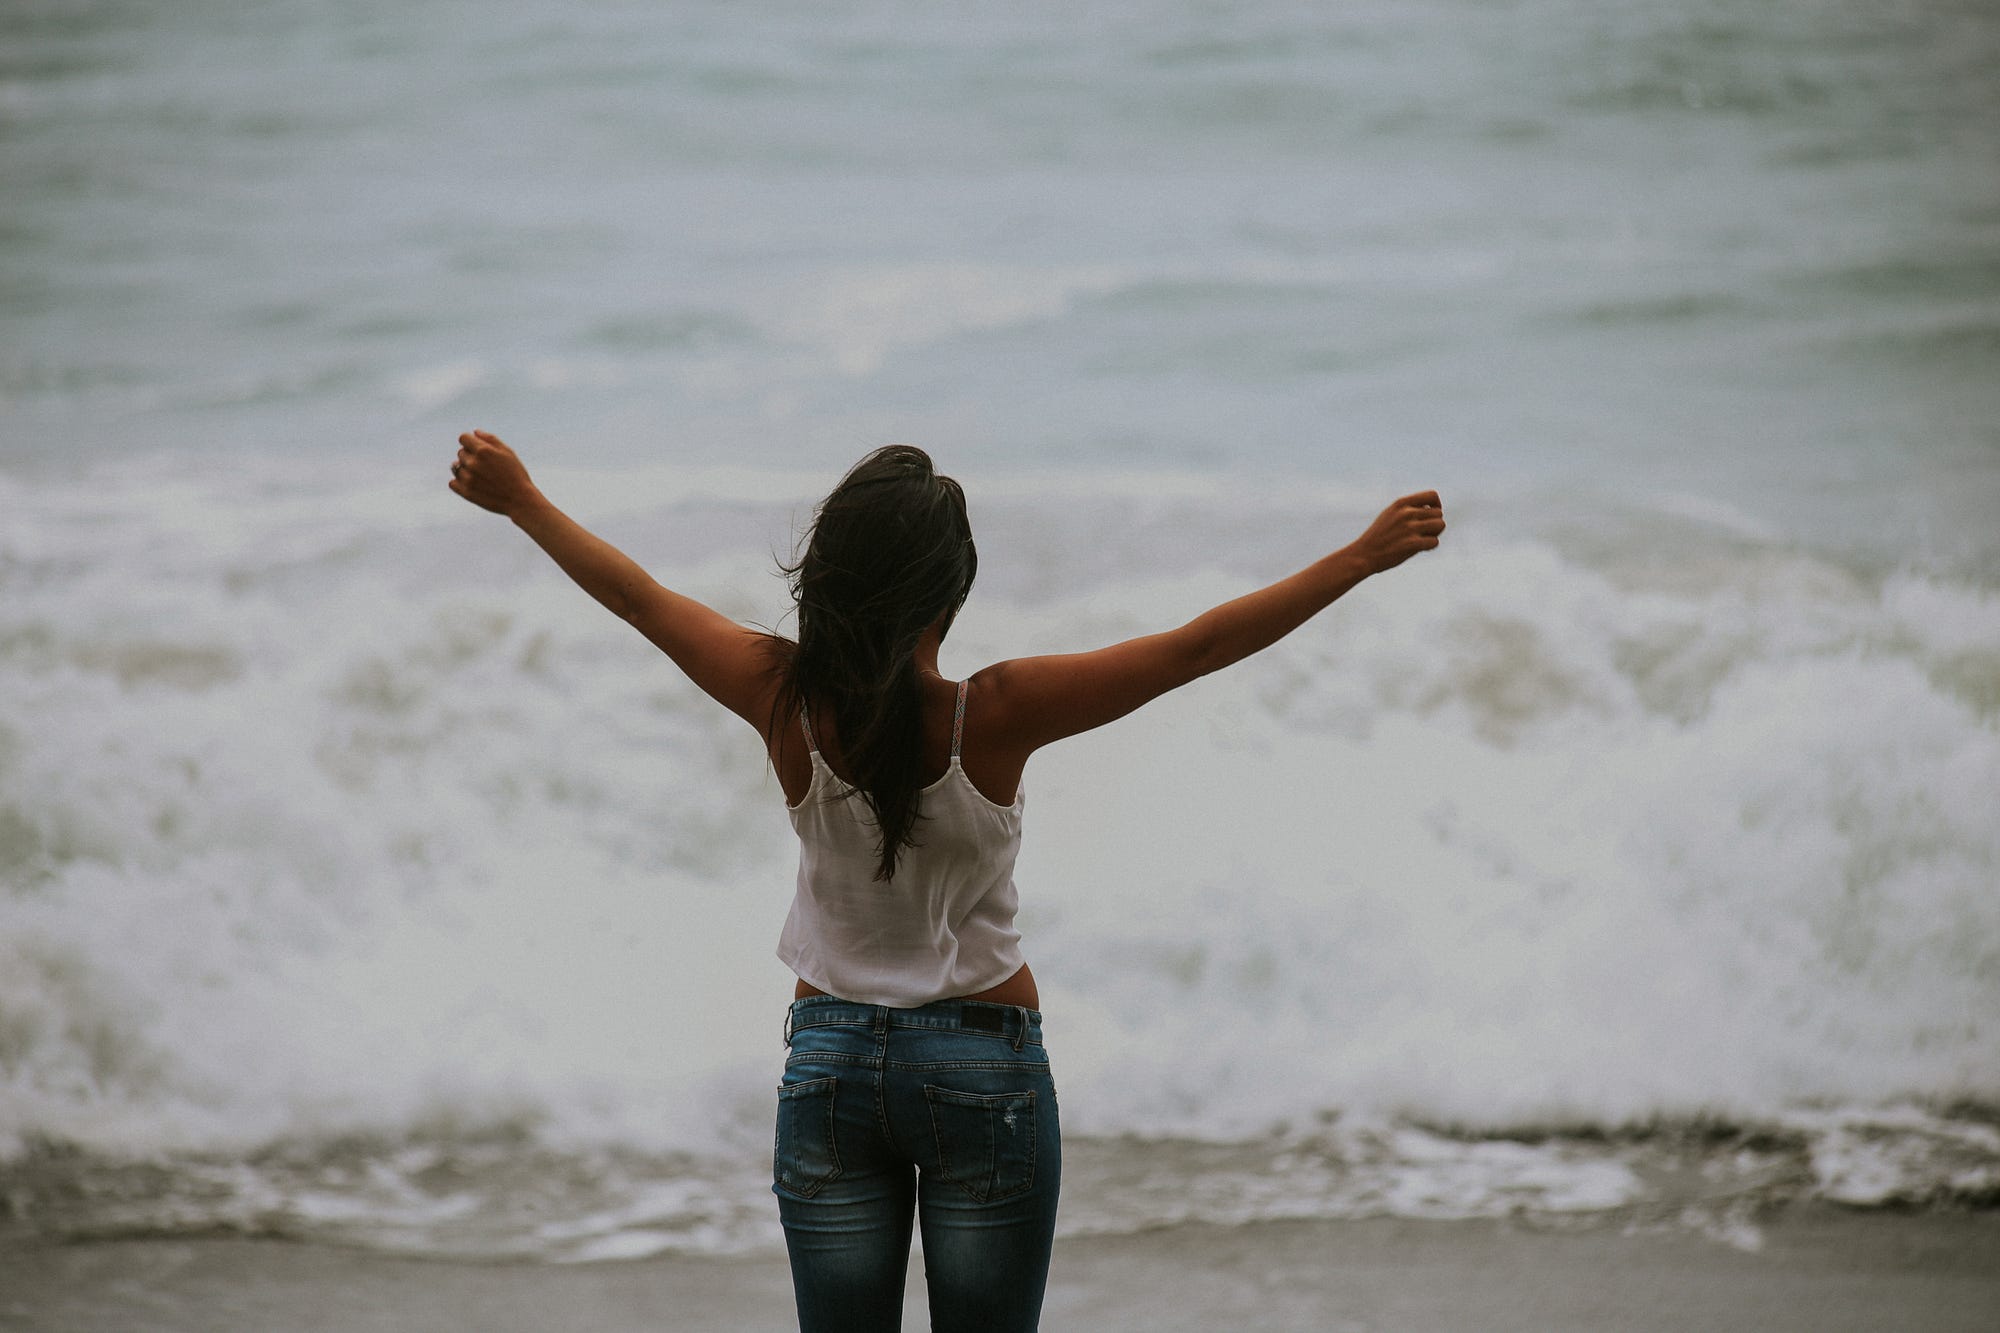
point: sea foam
(330, 814)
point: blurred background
(361, 879)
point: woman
(917, 1082)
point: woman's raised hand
(1412, 524)
(490, 474)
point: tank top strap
(807, 723)
(958, 720)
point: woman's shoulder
(1006, 693)
(993, 752)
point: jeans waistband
(1020, 1026)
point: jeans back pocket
(803, 1158)
(985, 1144)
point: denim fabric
(947, 1111)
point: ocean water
(1631, 858)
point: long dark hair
(889, 554)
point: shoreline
(1819, 1268)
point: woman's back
(984, 756)
(942, 925)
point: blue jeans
(946, 1110)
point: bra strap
(806, 722)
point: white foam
(443, 384)
(859, 314)
(326, 810)
(1901, 1155)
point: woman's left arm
(730, 662)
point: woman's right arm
(731, 663)
(1037, 700)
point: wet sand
(1819, 1269)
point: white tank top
(943, 927)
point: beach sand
(1819, 1269)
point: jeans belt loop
(1021, 1032)
(789, 1012)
